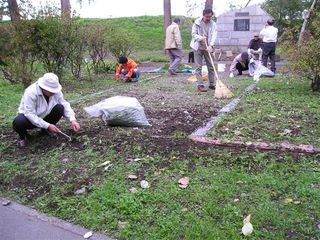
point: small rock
(87, 235)
(236, 200)
(6, 203)
(144, 184)
(81, 191)
(65, 160)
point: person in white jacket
(42, 106)
(204, 35)
(269, 36)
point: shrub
(17, 52)
(120, 42)
(97, 45)
(305, 58)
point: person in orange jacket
(128, 69)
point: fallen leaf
(296, 202)
(183, 182)
(173, 157)
(137, 159)
(132, 177)
(81, 190)
(238, 133)
(105, 163)
(318, 226)
(236, 200)
(87, 235)
(122, 225)
(288, 201)
(158, 171)
(133, 190)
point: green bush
(304, 59)
(17, 52)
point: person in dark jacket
(256, 46)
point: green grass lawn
(280, 190)
(278, 110)
(148, 29)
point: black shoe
(212, 87)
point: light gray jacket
(196, 34)
(35, 107)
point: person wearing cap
(173, 45)
(240, 63)
(42, 106)
(204, 34)
(256, 46)
(269, 36)
(128, 69)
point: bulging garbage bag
(257, 69)
(119, 111)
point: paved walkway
(18, 222)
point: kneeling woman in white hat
(42, 106)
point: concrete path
(18, 222)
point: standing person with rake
(204, 35)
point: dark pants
(269, 51)
(240, 68)
(21, 123)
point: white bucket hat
(50, 82)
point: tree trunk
(167, 13)
(65, 8)
(209, 4)
(13, 10)
(315, 85)
(167, 17)
(303, 28)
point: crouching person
(240, 63)
(42, 106)
(127, 69)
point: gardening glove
(209, 49)
(231, 75)
(117, 76)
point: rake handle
(214, 68)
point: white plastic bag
(119, 111)
(257, 69)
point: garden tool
(222, 90)
(66, 135)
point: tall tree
(13, 10)
(65, 8)
(306, 18)
(288, 14)
(209, 4)
(166, 13)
